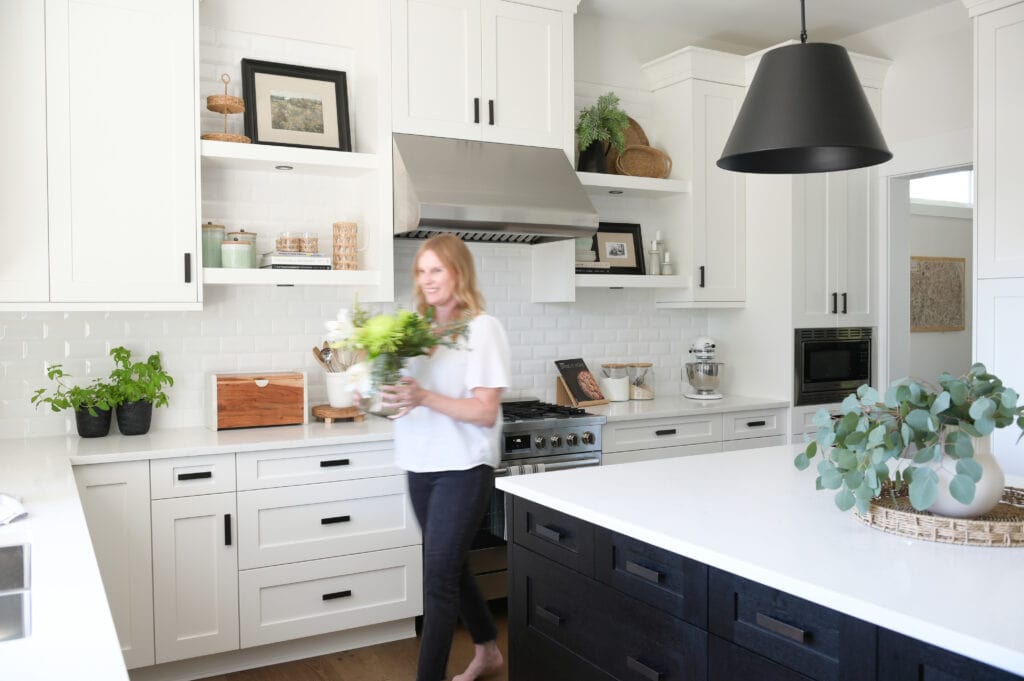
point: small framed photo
(620, 245)
(295, 106)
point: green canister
(212, 236)
(250, 238)
(236, 254)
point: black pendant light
(805, 112)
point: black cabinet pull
(490, 114)
(642, 572)
(337, 594)
(755, 424)
(643, 670)
(667, 431)
(227, 529)
(476, 109)
(547, 533)
(188, 268)
(334, 462)
(546, 614)
(781, 628)
(844, 302)
(335, 519)
(835, 303)
(195, 476)
(702, 276)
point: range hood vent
(488, 192)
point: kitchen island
(751, 514)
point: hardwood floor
(385, 662)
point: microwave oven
(831, 363)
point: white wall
(946, 236)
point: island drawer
(322, 463)
(748, 424)
(560, 537)
(655, 576)
(901, 657)
(189, 476)
(728, 662)
(535, 657)
(624, 436)
(816, 641)
(618, 634)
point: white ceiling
(757, 24)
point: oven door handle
(502, 471)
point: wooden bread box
(250, 400)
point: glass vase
(385, 369)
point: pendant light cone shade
(805, 112)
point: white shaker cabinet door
(115, 498)
(195, 576)
(122, 150)
(23, 214)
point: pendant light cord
(803, 23)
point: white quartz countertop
(677, 405)
(752, 513)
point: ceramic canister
(236, 254)
(249, 237)
(213, 235)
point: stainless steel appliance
(831, 363)
(704, 374)
(536, 437)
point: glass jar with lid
(250, 238)
(213, 235)
(641, 380)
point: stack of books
(295, 261)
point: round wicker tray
(1003, 526)
(226, 137)
(225, 104)
(643, 161)
(634, 135)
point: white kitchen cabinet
(122, 152)
(115, 498)
(488, 70)
(195, 576)
(999, 138)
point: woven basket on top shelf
(643, 161)
(634, 135)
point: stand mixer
(704, 373)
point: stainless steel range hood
(485, 191)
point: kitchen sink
(15, 595)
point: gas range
(541, 432)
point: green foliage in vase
(97, 396)
(134, 381)
(402, 334)
(603, 122)
(902, 435)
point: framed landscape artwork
(937, 291)
(295, 106)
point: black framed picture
(295, 106)
(620, 244)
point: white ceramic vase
(987, 493)
(339, 390)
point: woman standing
(447, 436)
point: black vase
(133, 418)
(92, 426)
(592, 159)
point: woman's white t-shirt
(427, 440)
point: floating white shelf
(630, 281)
(233, 156)
(268, 277)
(605, 184)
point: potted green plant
(137, 388)
(91, 403)
(602, 124)
(922, 439)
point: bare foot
(486, 659)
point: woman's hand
(405, 396)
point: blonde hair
(457, 259)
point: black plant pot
(592, 159)
(93, 426)
(133, 418)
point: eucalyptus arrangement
(603, 122)
(908, 436)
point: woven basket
(346, 246)
(225, 104)
(634, 135)
(225, 137)
(643, 161)
(1002, 526)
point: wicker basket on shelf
(642, 161)
(634, 135)
(225, 104)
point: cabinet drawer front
(534, 657)
(753, 443)
(308, 522)
(293, 601)
(814, 640)
(305, 465)
(727, 661)
(755, 424)
(665, 580)
(560, 537)
(188, 476)
(686, 430)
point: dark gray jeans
(450, 506)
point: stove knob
(539, 442)
(571, 440)
(588, 438)
(556, 440)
